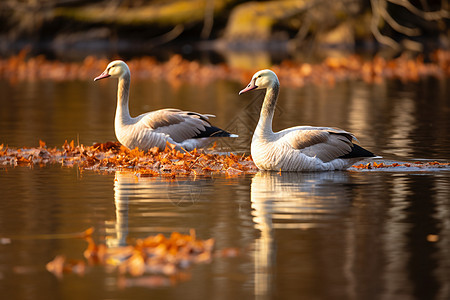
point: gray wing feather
(179, 125)
(324, 143)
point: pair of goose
(301, 148)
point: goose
(186, 130)
(300, 148)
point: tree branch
(376, 17)
(208, 20)
(395, 25)
(427, 15)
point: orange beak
(250, 86)
(103, 75)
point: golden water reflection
(333, 235)
(313, 230)
(290, 200)
(322, 223)
(140, 199)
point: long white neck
(264, 127)
(122, 111)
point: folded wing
(324, 143)
(179, 125)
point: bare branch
(169, 36)
(303, 30)
(395, 25)
(425, 5)
(427, 15)
(208, 19)
(376, 17)
(412, 45)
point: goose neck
(123, 90)
(268, 108)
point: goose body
(185, 129)
(301, 148)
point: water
(334, 235)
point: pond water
(332, 235)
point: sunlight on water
(335, 235)
(403, 128)
(297, 200)
(291, 201)
(357, 231)
(151, 198)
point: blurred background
(377, 68)
(353, 60)
(73, 29)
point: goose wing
(324, 143)
(179, 125)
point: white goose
(185, 129)
(301, 148)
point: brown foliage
(176, 69)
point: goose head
(261, 80)
(115, 69)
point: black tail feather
(212, 131)
(358, 151)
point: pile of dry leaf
(112, 156)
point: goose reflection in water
(150, 205)
(297, 200)
(291, 200)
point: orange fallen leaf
(88, 232)
(112, 157)
(56, 266)
(433, 238)
(229, 252)
(60, 265)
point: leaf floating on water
(60, 265)
(432, 238)
(112, 156)
(56, 266)
(164, 258)
(418, 165)
(169, 163)
(229, 252)
(233, 172)
(87, 233)
(95, 254)
(5, 241)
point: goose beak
(251, 86)
(103, 75)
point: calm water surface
(333, 235)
